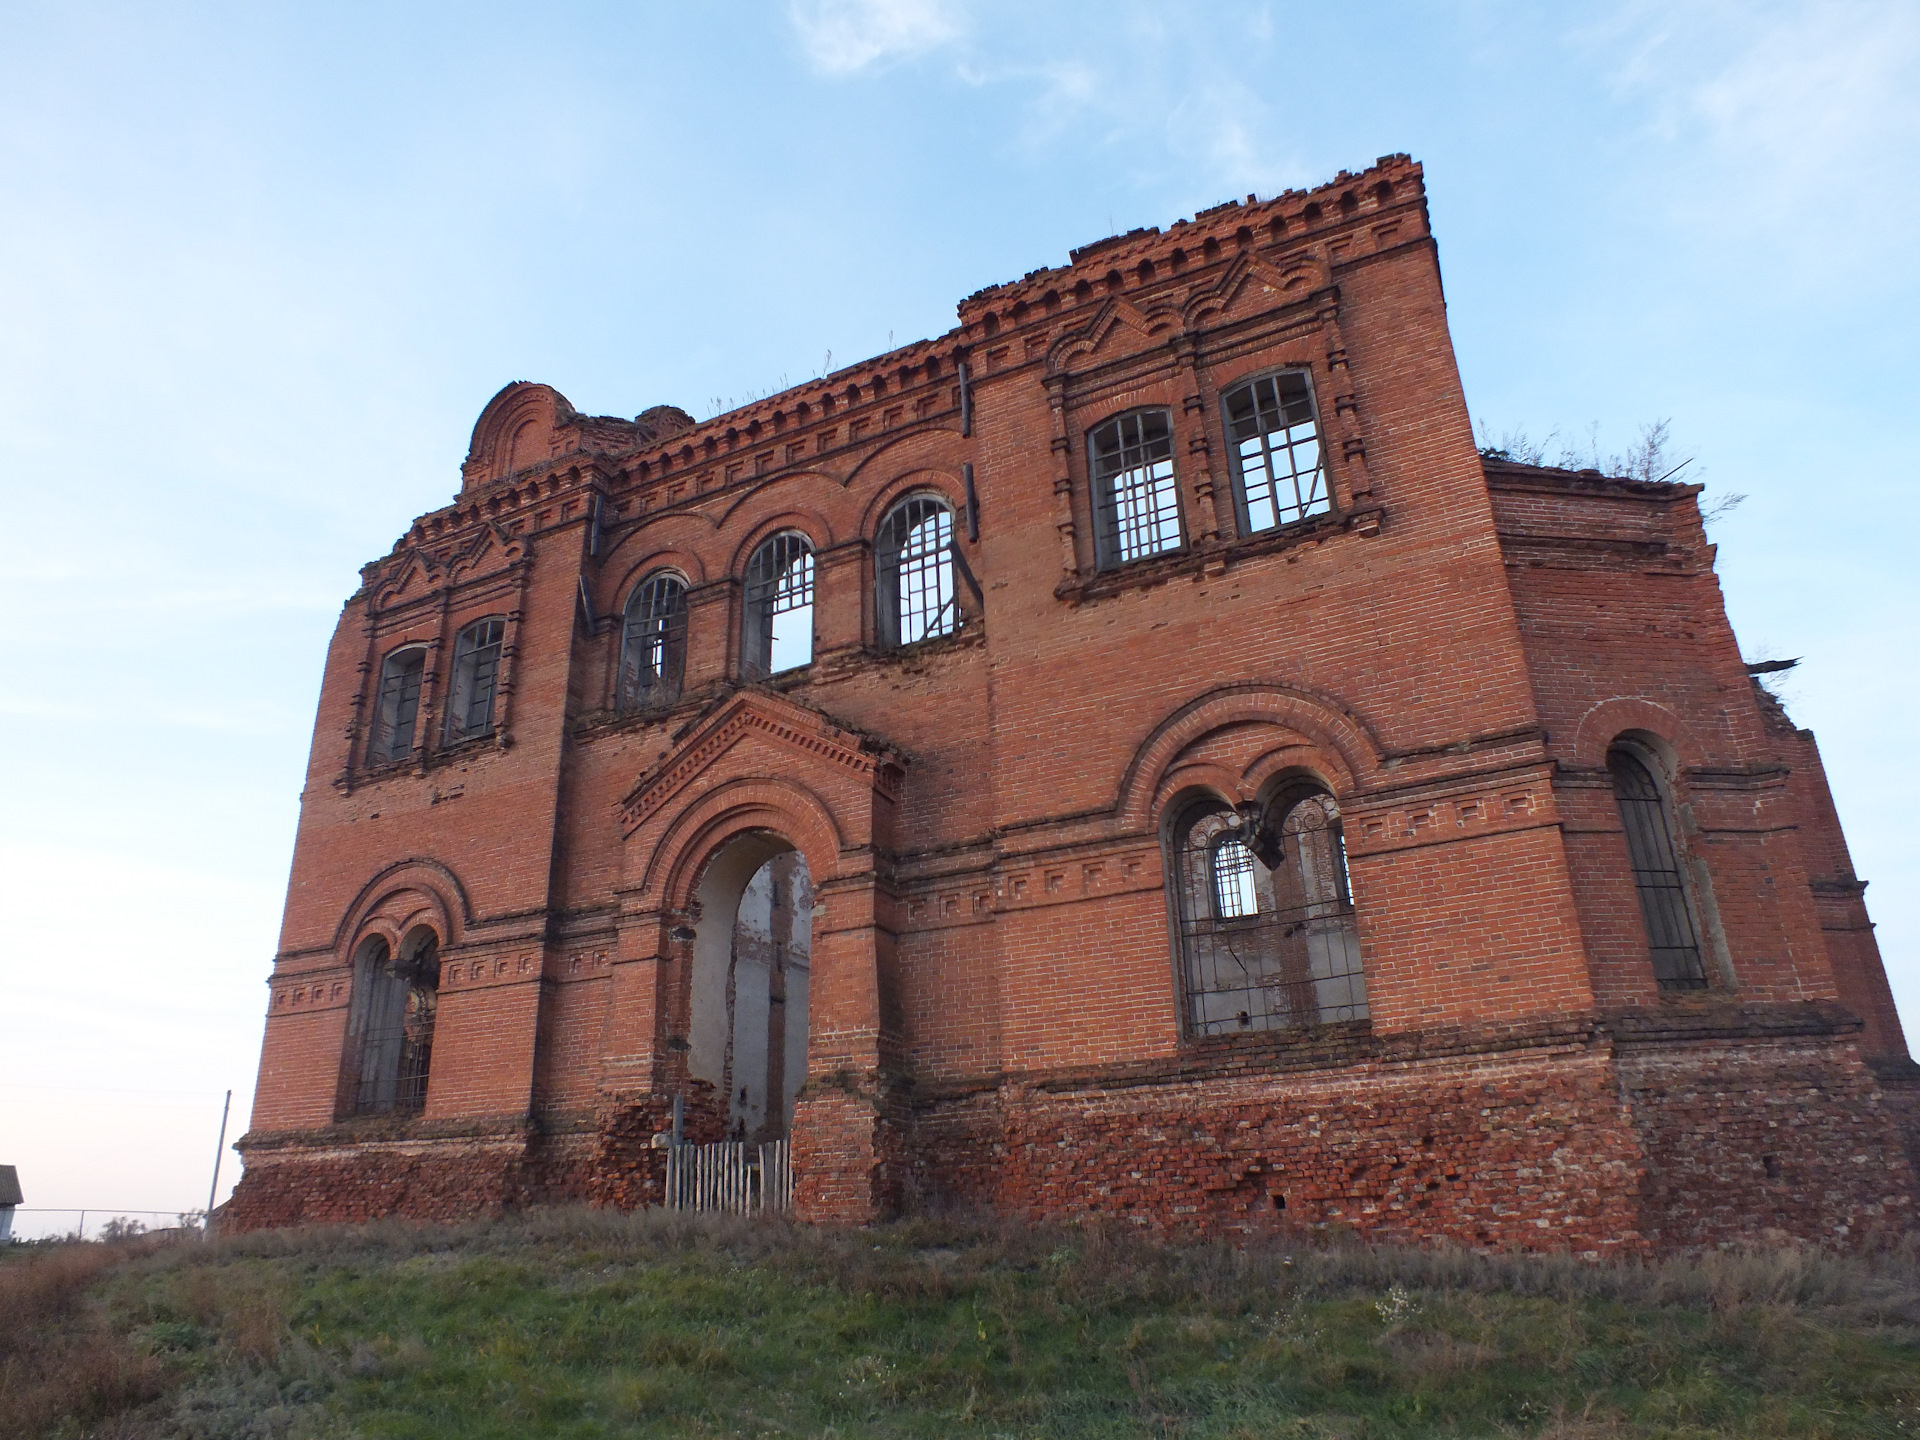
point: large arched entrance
(747, 1027)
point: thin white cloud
(842, 37)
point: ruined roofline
(1503, 474)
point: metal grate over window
(1671, 940)
(476, 673)
(1278, 449)
(399, 705)
(779, 621)
(390, 1023)
(915, 572)
(1266, 949)
(1136, 501)
(653, 645)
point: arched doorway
(747, 1027)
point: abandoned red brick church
(1129, 755)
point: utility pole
(219, 1153)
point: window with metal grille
(914, 570)
(398, 705)
(1260, 948)
(1672, 942)
(653, 645)
(1136, 501)
(1277, 449)
(390, 1023)
(476, 674)
(779, 620)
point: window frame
(1242, 505)
(889, 597)
(1108, 551)
(757, 636)
(1687, 883)
(379, 754)
(387, 1059)
(456, 730)
(671, 639)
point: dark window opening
(1135, 498)
(476, 673)
(779, 621)
(1266, 948)
(390, 1023)
(653, 644)
(1672, 942)
(398, 706)
(1277, 446)
(914, 570)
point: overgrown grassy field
(588, 1324)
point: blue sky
(261, 265)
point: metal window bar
(1293, 959)
(779, 619)
(1282, 479)
(917, 599)
(390, 1022)
(730, 1176)
(399, 705)
(1672, 943)
(653, 645)
(476, 669)
(1136, 501)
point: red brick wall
(1449, 652)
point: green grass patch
(583, 1324)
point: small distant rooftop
(9, 1185)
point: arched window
(398, 705)
(1136, 503)
(1265, 947)
(390, 1023)
(653, 645)
(1672, 940)
(914, 570)
(476, 674)
(778, 634)
(1278, 475)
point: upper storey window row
(470, 701)
(1279, 477)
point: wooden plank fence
(731, 1177)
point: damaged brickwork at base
(1131, 755)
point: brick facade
(999, 1001)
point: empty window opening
(1266, 948)
(1672, 941)
(914, 571)
(779, 623)
(390, 1023)
(399, 705)
(1136, 501)
(476, 673)
(1281, 478)
(653, 645)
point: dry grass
(63, 1369)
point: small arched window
(1136, 502)
(390, 1023)
(476, 675)
(778, 634)
(1673, 941)
(1265, 947)
(398, 706)
(653, 644)
(1278, 475)
(914, 571)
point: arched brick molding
(1607, 721)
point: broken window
(1135, 499)
(914, 568)
(398, 705)
(1277, 448)
(476, 673)
(1672, 941)
(653, 647)
(390, 1023)
(778, 634)
(1266, 946)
